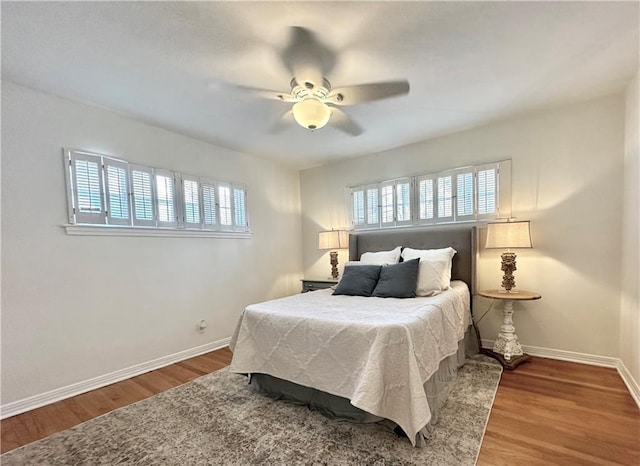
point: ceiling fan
(315, 102)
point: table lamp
(332, 240)
(508, 235)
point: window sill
(115, 230)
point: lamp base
(508, 267)
(510, 364)
(333, 260)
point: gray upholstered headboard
(462, 238)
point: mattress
(376, 352)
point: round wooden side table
(506, 348)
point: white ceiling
(468, 63)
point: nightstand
(506, 348)
(313, 285)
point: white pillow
(434, 274)
(382, 257)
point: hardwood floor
(546, 412)
(561, 413)
(41, 422)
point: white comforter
(376, 352)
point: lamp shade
(508, 235)
(311, 113)
(334, 239)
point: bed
(361, 358)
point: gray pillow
(358, 280)
(398, 280)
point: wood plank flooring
(549, 412)
(546, 412)
(41, 422)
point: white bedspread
(376, 352)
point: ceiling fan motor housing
(308, 89)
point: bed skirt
(334, 407)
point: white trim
(66, 157)
(583, 358)
(563, 355)
(627, 378)
(36, 401)
(115, 230)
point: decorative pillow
(382, 257)
(435, 269)
(358, 280)
(398, 280)
(349, 264)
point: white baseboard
(36, 401)
(628, 380)
(583, 358)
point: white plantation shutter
(366, 205)
(403, 202)
(117, 192)
(357, 205)
(387, 204)
(395, 202)
(166, 198)
(209, 205)
(240, 208)
(487, 191)
(445, 197)
(142, 195)
(372, 206)
(191, 202)
(458, 195)
(225, 207)
(426, 199)
(464, 195)
(111, 192)
(87, 189)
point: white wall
(630, 300)
(567, 179)
(78, 307)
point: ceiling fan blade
(263, 93)
(352, 95)
(285, 121)
(268, 94)
(341, 121)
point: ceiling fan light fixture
(311, 113)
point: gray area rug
(218, 420)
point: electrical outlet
(202, 326)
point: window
(426, 198)
(239, 196)
(111, 192)
(395, 202)
(458, 195)
(209, 204)
(142, 196)
(224, 196)
(117, 194)
(403, 202)
(445, 197)
(487, 188)
(464, 194)
(357, 204)
(387, 204)
(87, 193)
(166, 198)
(191, 198)
(372, 206)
